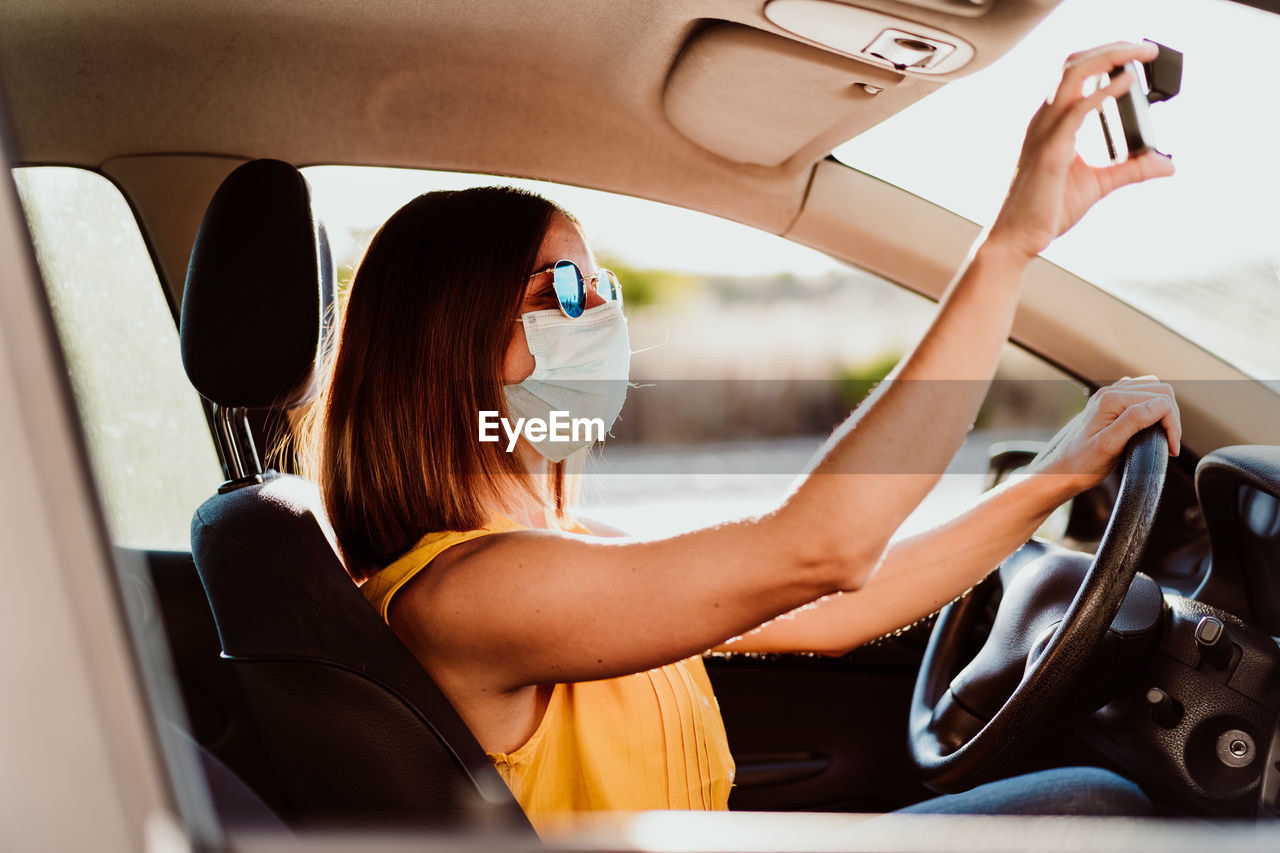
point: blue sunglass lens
(569, 289)
(608, 286)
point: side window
(150, 447)
(747, 350)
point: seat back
(356, 729)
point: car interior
(1156, 657)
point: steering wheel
(953, 748)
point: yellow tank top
(652, 740)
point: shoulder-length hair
(393, 440)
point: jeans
(1061, 791)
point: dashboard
(1199, 718)
(1216, 552)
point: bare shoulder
(459, 561)
(468, 581)
(480, 599)
(456, 590)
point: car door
(82, 766)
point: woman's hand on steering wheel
(1053, 187)
(1088, 447)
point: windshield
(1199, 252)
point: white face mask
(581, 366)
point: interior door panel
(820, 734)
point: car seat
(359, 734)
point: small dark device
(1163, 80)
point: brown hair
(393, 439)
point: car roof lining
(405, 84)
(402, 83)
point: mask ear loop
(666, 339)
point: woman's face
(564, 240)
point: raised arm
(533, 607)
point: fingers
(1131, 405)
(1111, 402)
(1133, 420)
(1147, 165)
(1060, 118)
(1099, 60)
(1117, 86)
(1151, 383)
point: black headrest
(254, 301)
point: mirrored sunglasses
(571, 286)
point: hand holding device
(1163, 80)
(1053, 186)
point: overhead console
(966, 8)
(785, 85)
(872, 36)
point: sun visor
(754, 97)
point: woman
(572, 653)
